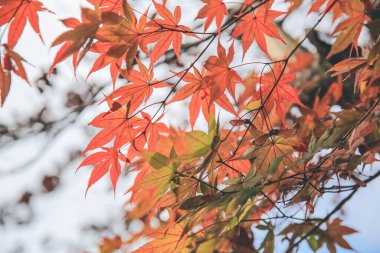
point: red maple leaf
(255, 25)
(214, 9)
(17, 12)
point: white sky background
(59, 217)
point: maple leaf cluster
(215, 185)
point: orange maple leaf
(255, 25)
(166, 240)
(108, 5)
(5, 83)
(110, 54)
(73, 40)
(201, 96)
(165, 32)
(336, 9)
(139, 90)
(116, 124)
(232, 167)
(350, 29)
(214, 9)
(246, 4)
(119, 39)
(149, 132)
(12, 62)
(104, 161)
(17, 12)
(221, 76)
(282, 91)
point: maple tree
(214, 188)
